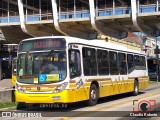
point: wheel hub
(93, 95)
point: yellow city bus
(14, 72)
(61, 69)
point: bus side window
(74, 63)
(143, 63)
(122, 63)
(137, 62)
(102, 60)
(130, 60)
(113, 62)
(89, 61)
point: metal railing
(80, 13)
(76, 14)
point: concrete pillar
(114, 7)
(74, 8)
(138, 23)
(59, 9)
(97, 8)
(100, 27)
(26, 10)
(65, 30)
(40, 12)
(138, 6)
(157, 5)
(22, 17)
(8, 9)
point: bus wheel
(136, 89)
(21, 106)
(93, 95)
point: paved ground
(5, 84)
(108, 106)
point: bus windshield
(42, 67)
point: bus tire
(136, 88)
(93, 95)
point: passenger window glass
(122, 63)
(137, 62)
(102, 59)
(142, 63)
(113, 61)
(74, 63)
(89, 61)
(130, 61)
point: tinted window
(137, 62)
(89, 61)
(113, 61)
(142, 62)
(130, 61)
(74, 63)
(102, 59)
(122, 63)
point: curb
(8, 108)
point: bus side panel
(115, 87)
(108, 88)
(105, 88)
(122, 86)
(82, 93)
(143, 82)
(130, 87)
(140, 80)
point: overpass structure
(21, 19)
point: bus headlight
(20, 89)
(61, 87)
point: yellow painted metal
(66, 96)
(13, 80)
(106, 88)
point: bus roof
(94, 42)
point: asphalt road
(113, 107)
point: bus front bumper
(66, 96)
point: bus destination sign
(46, 44)
(42, 44)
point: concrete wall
(7, 96)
